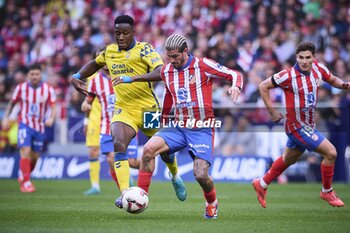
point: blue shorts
(30, 137)
(106, 144)
(198, 141)
(305, 138)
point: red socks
(276, 169)
(144, 180)
(327, 172)
(25, 167)
(211, 196)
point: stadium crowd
(257, 37)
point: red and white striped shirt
(101, 87)
(189, 90)
(33, 103)
(301, 90)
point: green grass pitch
(60, 206)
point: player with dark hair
(129, 61)
(188, 89)
(34, 97)
(300, 84)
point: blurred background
(256, 37)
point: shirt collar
(190, 58)
(130, 47)
(296, 66)
(39, 84)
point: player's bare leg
(34, 156)
(329, 154)
(152, 148)
(289, 157)
(201, 173)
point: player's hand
(85, 107)
(79, 86)
(49, 122)
(122, 79)
(276, 116)
(346, 86)
(5, 124)
(234, 93)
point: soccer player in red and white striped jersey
(188, 89)
(300, 84)
(34, 97)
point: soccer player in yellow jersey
(92, 124)
(131, 61)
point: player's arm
(89, 69)
(338, 83)
(5, 121)
(214, 69)
(152, 76)
(149, 77)
(86, 105)
(264, 89)
(15, 99)
(49, 121)
(52, 102)
(154, 62)
(167, 104)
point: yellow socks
(122, 170)
(94, 172)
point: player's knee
(332, 154)
(119, 145)
(148, 150)
(25, 152)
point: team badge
(182, 94)
(118, 111)
(192, 79)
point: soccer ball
(135, 200)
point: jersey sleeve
(213, 69)
(92, 87)
(150, 56)
(281, 79)
(16, 94)
(326, 74)
(101, 58)
(168, 99)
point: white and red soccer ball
(135, 200)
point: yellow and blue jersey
(140, 59)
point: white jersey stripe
(296, 96)
(176, 88)
(199, 90)
(306, 92)
(187, 86)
